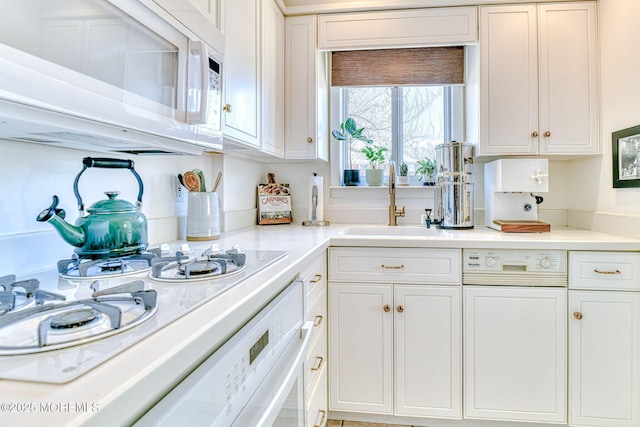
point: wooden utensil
(191, 181)
(215, 186)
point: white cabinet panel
(515, 353)
(361, 347)
(509, 79)
(428, 349)
(272, 140)
(604, 362)
(568, 87)
(538, 79)
(604, 270)
(440, 266)
(242, 71)
(306, 92)
(405, 28)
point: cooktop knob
(491, 261)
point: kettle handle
(102, 162)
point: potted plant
(349, 132)
(403, 179)
(426, 170)
(375, 156)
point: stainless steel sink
(384, 230)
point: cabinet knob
(386, 308)
(534, 134)
(227, 108)
(577, 315)
(547, 134)
(400, 309)
(310, 140)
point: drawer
(314, 276)
(316, 358)
(317, 402)
(441, 266)
(317, 309)
(604, 270)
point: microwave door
(204, 87)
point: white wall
(594, 204)
(31, 174)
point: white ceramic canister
(203, 216)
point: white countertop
(118, 391)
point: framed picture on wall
(625, 153)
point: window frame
(453, 118)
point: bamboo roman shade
(396, 67)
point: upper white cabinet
(200, 16)
(241, 78)
(385, 29)
(538, 79)
(306, 92)
(272, 63)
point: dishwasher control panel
(515, 261)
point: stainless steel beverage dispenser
(454, 185)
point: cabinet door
(306, 92)
(241, 65)
(361, 347)
(568, 86)
(604, 351)
(509, 79)
(272, 79)
(428, 355)
(515, 353)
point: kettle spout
(73, 235)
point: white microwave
(107, 75)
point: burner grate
(56, 326)
(79, 268)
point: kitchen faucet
(394, 212)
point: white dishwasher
(255, 379)
(515, 335)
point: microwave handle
(199, 49)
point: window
(408, 120)
(409, 100)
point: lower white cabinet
(417, 326)
(604, 351)
(315, 366)
(604, 339)
(428, 341)
(515, 353)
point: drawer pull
(319, 362)
(595, 270)
(393, 267)
(323, 415)
(386, 308)
(577, 315)
(316, 279)
(318, 320)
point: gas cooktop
(55, 327)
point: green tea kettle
(112, 227)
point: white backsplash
(33, 173)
